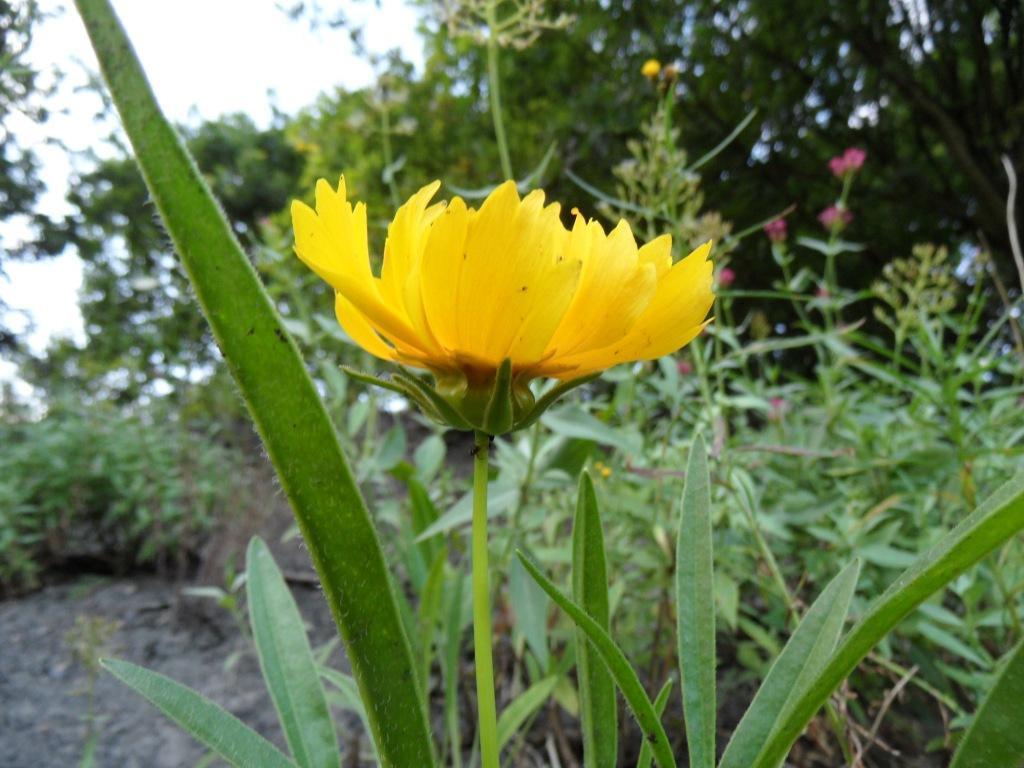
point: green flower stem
(486, 710)
(494, 89)
(389, 161)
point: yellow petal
(673, 318)
(442, 267)
(615, 288)
(360, 329)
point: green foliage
(299, 437)
(118, 489)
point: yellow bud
(651, 69)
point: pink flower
(822, 292)
(849, 162)
(684, 367)
(776, 230)
(726, 276)
(854, 157)
(777, 408)
(835, 217)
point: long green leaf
(346, 695)
(524, 705)
(286, 661)
(598, 708)
(289, 415)
(623, 674)
(695, 615)
(995, 521)
(803, 658)
(215, 727)
(644, 759)
(996, 736)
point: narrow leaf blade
(598, 708)
(644, 759)
(996, 736)
(205, 721)
(803, 657)
(985, 529)
(524, 705)
(695, 590)
(623, 674)
(298, 435)
(286, 661)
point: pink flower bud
(777, 408)
(849, 162)
(835, 217)
(854, 157)
(776, 230)
(726, 276)
(684, 367)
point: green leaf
(346, 695)
(695, 616)
(573, 421)
(286, 661)
(208, 723)
(530, 608)
(996, 735)
(524, 705)
(644, 760)
(598, 707)
(298, 435)
(501, 497)
(985, 529)
(796, 667)
(623, 674)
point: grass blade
(644, 760)
(289, 415)
(524, 705)
(996, 736)
(286, 661)
(598, 708)
(623, 674)
(695, 615)
(800, 661)
(208, 723)
(985, 529)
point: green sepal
(496, 407)
(548, 399)
(400, 388)
(499, 410)
(375, 381)
(448, 414)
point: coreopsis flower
(487, 300)
(835, 217)
(651, 69)
(776, 230)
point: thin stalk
(389, 161)
(482, 635)
(494, 89)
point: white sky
(204, 58)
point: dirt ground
(42, 701)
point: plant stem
(482, 635)
(494, 89)
(389, 161)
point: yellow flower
(463, 292)
(651, 69)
